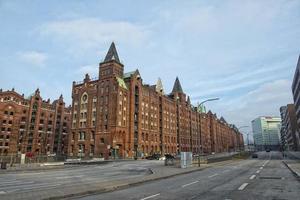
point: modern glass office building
(266, 132)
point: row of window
(8, 98)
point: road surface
(263, 178)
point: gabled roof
(209, 112)
(223, 120)
(112, 54)
(177, 86)
(121, 83)
(128, 74)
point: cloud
(33, 57)
(89, 33)
(262, 101)
(92, 70)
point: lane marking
(261, 167)
(227, 170)
(68, 177)
(190, 184)
(152, 196)
(243, 186)
(10, 182)
(213, 175)
(257, 171)
(43, 186)
(252, 177)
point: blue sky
(244, 52)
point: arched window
(84, 98)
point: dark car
(254, 155)
(153, 157)
(268, 150)
(169, 156)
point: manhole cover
(270, 177)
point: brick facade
(117, 115)
(32, 124)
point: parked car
(169, 156)
(254, 155)
(268, 150)
(154, 156)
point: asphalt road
(262, 178)
(34, 185)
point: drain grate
(270, 177)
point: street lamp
(199, 109)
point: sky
(244, 52)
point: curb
(293, 171)
(121, 186)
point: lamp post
(199, 109)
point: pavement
(83, 179)
(264, 178)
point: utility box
(23, 156)
(186, 159)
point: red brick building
(117, 115)
(32, 124)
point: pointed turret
(159, 87)
(112, 54)
(177, 86)
(111, 66)
(37, 92)
(188, 100)
(86, 78)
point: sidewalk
(294, 166)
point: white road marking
(261, 167)
(43, 186)
(2, 192)
(10, 182)
(227, 170)
(213, 175)
(243, 186)
(190, 184)
(152, 196)
(252, 177)
(257, 171)
(67, 177)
